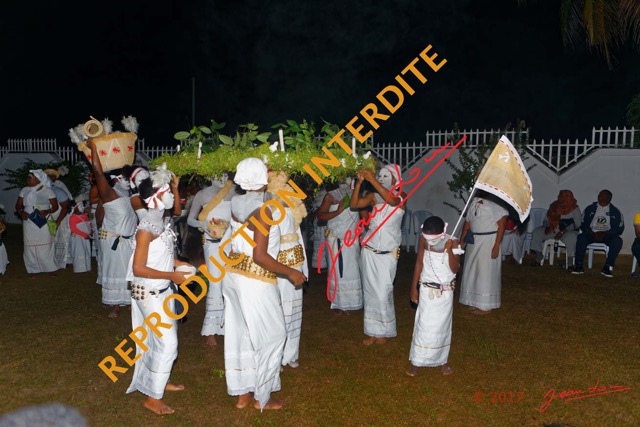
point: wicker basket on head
(115, 150)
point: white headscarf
(42, 177)
(251, 174)
(137, 176)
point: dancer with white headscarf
(118, 225)
(344, 278)
(35, 203)
(380, 250)
(254, 321)
(211, 212)
(151, 272)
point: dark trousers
(635, 248)
(613, 241)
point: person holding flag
(504, 177)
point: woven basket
(115, 150)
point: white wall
(617, 170)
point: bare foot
(53, 274)
(271, 404)
(211, 341)
(413, 371)
(32, 277)
(157, 406)
(244, 400)
(115, 311)
(446, 369)
(369, 340)
(174, 387)
(479, 312)
(381, 341)
(348, 313)
(338, 312)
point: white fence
(557, 156)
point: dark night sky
(266, 61)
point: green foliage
(76, 180)
(633, 112)
(221, 153)
(472, 159)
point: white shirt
(601, 220)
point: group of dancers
(257, 306)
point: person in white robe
(292, 253)
(380, 250)
(432, 289)
(62, 237)
(482, 268)
(151, 272)
(35, 203)
(94, 206)
(213, 220)
(4, 258)
(81, 231)
(118, 226)
(255, 330)
(345, 286)
(319, 228)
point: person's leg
(569, 239)
(635, 248)
(537, 239)
(583, 240)
(615, 245)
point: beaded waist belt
(395, 252)
(248, 268)
(293, 257)
(104, 235)
(448, 287)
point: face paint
(122, 188)
(385, 178)
(167, 200)
(220, 181)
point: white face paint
(385, 178)
(220, 181)
(435, 241)
(122, 188)
(80, 208)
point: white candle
(353, 147)
(178, 148)
(199, 150)
(281, 135)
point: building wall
(617, 170)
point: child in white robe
(432, 289)
(80, 245)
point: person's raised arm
(323, 210)
(389, 198)
(107, 194)
(177, 207)
(358, 202)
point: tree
(604, 24)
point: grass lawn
(554, 331)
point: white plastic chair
(536, 218)
(405, 228)
(547, 249)
(596, 247)
(418, 218)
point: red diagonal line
(433, 169)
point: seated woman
(151, 272)
(561, 223)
